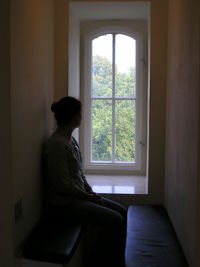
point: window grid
(114, 99)
(113, 96)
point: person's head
(67, 111)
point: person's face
(78, 119)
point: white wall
(61, 47)
(6, 239)
(182, 175)
(32, 86)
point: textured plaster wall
(182, 117)
(32, 85)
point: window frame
(139, 166)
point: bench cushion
(53, 240)
(151, 239)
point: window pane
(101, 130)
(125, 65)
(102, 66)
(125, 130)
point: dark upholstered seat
(151, 239)
(53, 240)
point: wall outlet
(18, 210)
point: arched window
(114, 96)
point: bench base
(76, 260)
(33, 263)
(80, 258)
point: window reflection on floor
(114, 189)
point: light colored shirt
(63, 171)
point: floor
(118, 184)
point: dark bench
(53, 240)
(151, 239)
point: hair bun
(53, 107)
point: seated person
(69, 193)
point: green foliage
(102, 113)
(102, 130)
(125, 83)
(102, 77)
(125, 130)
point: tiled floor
(118, 184)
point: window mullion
(113, 99)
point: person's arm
(88, 188)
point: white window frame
(139, 166)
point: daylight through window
(113, 98)
(114, 94)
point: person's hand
(96, 195)
(88, 189)
(97, 198)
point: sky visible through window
(125, 50)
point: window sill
(123, 184)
